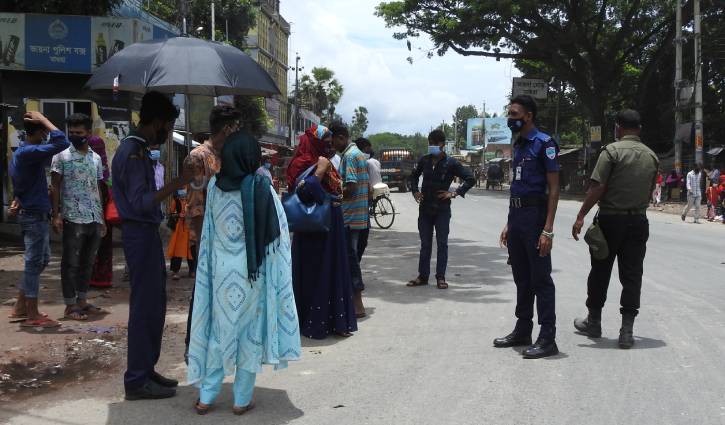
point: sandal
(343, 334)
(441, 283)
(239, 411)
(92, 309)
(75, 314)
(418, 281)
(16, 318)
(201, 408)
(44, 323)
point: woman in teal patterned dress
(244, 308)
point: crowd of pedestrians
(258, 286)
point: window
(57, 110)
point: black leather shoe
(542, 348)
(589, 326)
(150, 391)
(163, 381)
(514, 339)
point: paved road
(424, 356)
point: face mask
(181, 193)
(155, 155)
(268, 165)
(77, 141)
(434, 150)
(515, 125)
(367, 156)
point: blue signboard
(58, 43)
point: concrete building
(267, 43)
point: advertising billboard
(482, 132)
(497, 131)
(474, 133)
(12, 40)
(110, 35)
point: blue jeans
(440, 222)
(353, 241)
(36, 237)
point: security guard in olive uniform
(529, 232)
(621, 183)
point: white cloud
(346, 36)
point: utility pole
(213, 21)
(296, 112)
(556, 117)
(698, 84)
(183, 6)
(678, 84)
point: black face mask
(77, 141)
(515, 125)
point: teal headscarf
(241, 158)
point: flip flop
(77, 314)
(44, 323)
(92, 309)
(202, 410)
(17, 318)
(441, 284)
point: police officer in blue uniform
(529, 233)
(138, 202)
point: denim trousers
(427, 222)
(36, 238)
(80, 245)
(353, 240)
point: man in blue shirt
(529, 232)
(138, 202)
(30, 184)
(438, 171)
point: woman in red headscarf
(102, 276)
(320, 269)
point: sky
(346, 36)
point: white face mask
(367, 156)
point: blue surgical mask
(181, 193)
(367, 155)
(268, 165)
(434, 150)
(155, 154)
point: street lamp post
(297, 68)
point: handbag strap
(305, 174)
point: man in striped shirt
(355, 178)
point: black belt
(527, 202)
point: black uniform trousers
(626, 237)
(147, 306)
(532, 273)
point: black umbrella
(183, 65)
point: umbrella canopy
(183, 65)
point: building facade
(267, 43)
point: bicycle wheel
(384, 212)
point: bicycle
(382, 209)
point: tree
(321, 92)
(417, 142)
(77, 7)
(460, 118)
(591, 44)
(359, 122)
(237, 15)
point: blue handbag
(307, 218)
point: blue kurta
(238, 323)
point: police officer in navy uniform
(139, 205)
(529, 233)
